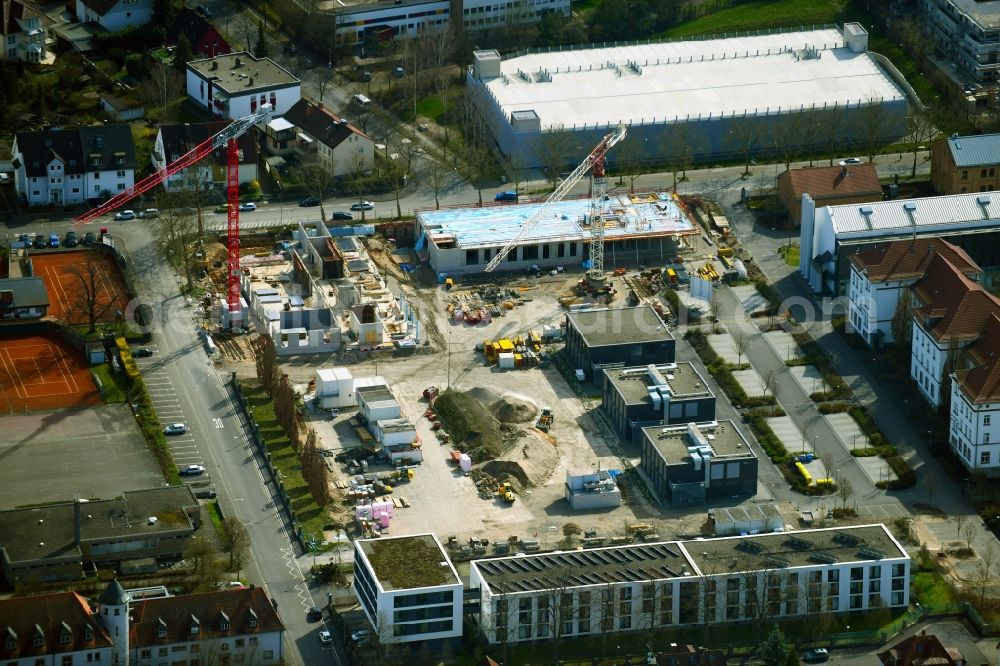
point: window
(986, 438)
(986, 420)
(162, 652)
(984, 458)
(145, 654)
(38, 642)
(121, 174)
(121, 186)
(572, 249)
(965, 175)
(67, 660)
(253, 639)
(268, 654)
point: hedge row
(770, 293)
(772, 445)
(837, 388)
(722, 372)
(833, 407)
(907, 477)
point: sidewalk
(935, 487)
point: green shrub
(768, 292)
(673, 300)
(833, 407)
(907, 477)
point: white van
(361, 101)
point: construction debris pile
(485, 304)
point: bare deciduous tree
(677, 147)
(554, 149)
(88, 298)
(984, 574)
(175, 232)
(742, 138)
(921, 129)
(162, 89)
(236, 540)
(870, 121)
(844, 491)
(629, 158)
(740, 342)
(318, 180)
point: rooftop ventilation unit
(822, 558)
(778, 562)
(846, 539)
(983, 200)
(751, 547)
(866, 210)
(872, 553)
(910, 206)
(798, 544)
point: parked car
(71, 239)
(53, 240)
(815, 655)
(309, 201)
(509, 195)
(142, 352)
(360, 635)
(363, 205)
(125, 215)
(248, 206)
(341, 215)
(205, 493)
(39, 242)
(850, 161)
(149, 213)
(89, 238)
(314, 614)
(192, 470)
(222, 208)
(175, 429)
(325, 638)
(4, 178)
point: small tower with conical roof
(113, 612)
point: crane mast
(594, 162)
(226, 137)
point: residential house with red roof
(922, 649)
(880, 277)
(205, 39)
(55, 629)
(974, 430)
(828, 186)
(239, 626)
(314, 134)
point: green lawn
(216, 516)
(761, 14)
(115, 385)
(791, 254)
(931, 588)
(310, 515)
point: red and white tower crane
(595, 164)
(226, 137)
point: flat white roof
(689, 79)
(626, 216)
(974, 209)
(279, 124)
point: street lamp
(281, 202)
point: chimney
(239, 63)
(215, 64)
(249, 81)
(76, 522)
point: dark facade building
(695, 463)
(624, 336)
(654, 394)
(63, 541)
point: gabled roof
(960, 317)
(329, 129)
(101, 7)
(111, 145)
(909, 259)
(972, 151)
(981, 382)
(940, 280)
(209, 612)
(920, 650)
(195, 27)
(16, 11)
(835, 181)
(179, 139)
(50, 616)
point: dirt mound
(472, 427)
(512, 410)
(528, 464)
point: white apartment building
(881, 274)
(658, 585)
(235, 85)
(974, 430)
(966, 32)
(408, 588)
(949, 312)
(393, 19)
(71, 166)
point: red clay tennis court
(64, 288)
(43, 372)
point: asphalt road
(199, 396)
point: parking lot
(93, 453)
